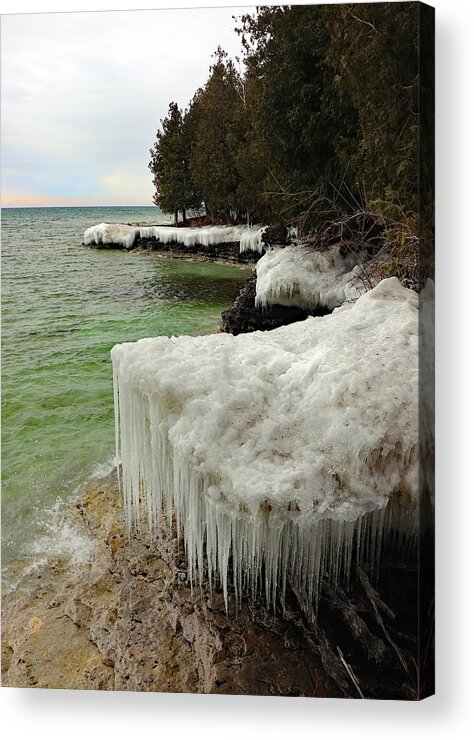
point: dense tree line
(321, 119)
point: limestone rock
(128, 620)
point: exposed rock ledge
(243, 316)
(129, 621)
(225, 252)
(238, 243)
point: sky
(82, 96)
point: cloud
(138, 187)
(83, 95)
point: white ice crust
(279, 449)
(120, 234)
(249, 237)
(299, 276)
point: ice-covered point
(107, 234)
(249, 238)
(299, 276)
(282, 453)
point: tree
(374, 52)
(322, 122)
(304, 129)
(213, 113)
(174, 187)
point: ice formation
(248, 237)
(280, 453)
(120, 234)
(251, 239)
(298, 276)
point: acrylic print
(218, 299)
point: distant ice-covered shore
(249, 238)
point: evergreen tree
(374, 51)
(174, 187)
(304, 128)
(324, 119)
(213, 113)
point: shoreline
(128, 620)
(187, 256)
(239, 243)
(227, 254)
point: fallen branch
(350, 672)
(375, 600)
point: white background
(41, 714)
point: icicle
(306, 549)
(248, 237)
(251, 239)
(120, 234)
(296, 276)
(216, 433)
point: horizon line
(96, 205)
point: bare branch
(351, 673)
(361, 20)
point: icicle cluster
(248, 237)
(120, 234)
(251, 239)
(298, 276)
(282, 453)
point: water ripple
(64, 307)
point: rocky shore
(227, 252)
(128, 620)
(244, 316)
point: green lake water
(64, 306)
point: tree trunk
(184, 215)
(176, 216)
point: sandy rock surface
(128, 620)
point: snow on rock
(120, 234)
(298, 276)
(251, 239)
(283, 452)
(248, 237)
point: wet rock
(227, 252)
(276, 234)
(243, 316)
(129, 620)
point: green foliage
(299, 118)
(307, 127)
(322, 121)
(374, 54)
(174, 187)
(217, 122)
